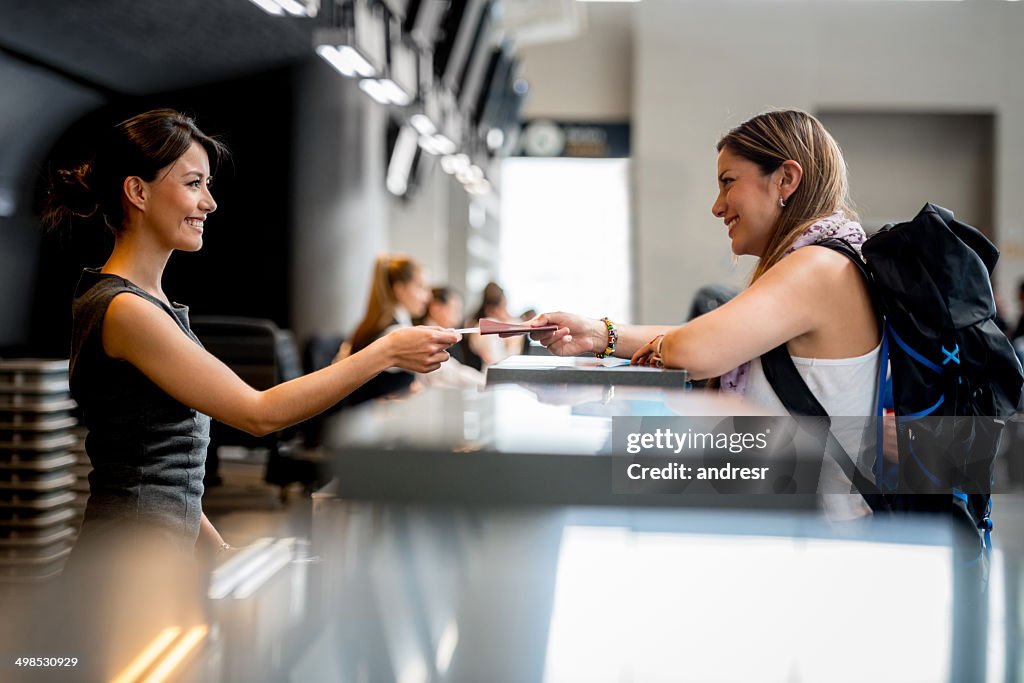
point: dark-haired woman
(143, 380)
(445, 310)
(782, 188)
(482, 351)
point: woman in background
(445, 310)
(482, 351)
(398, 294)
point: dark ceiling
(143, 46)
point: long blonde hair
(771, 138)
(388, 271)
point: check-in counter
(483, 537)
(548, 444)
(583, 370)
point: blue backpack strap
(882, 401)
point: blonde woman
(398, 294)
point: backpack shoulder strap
(847, 250)
(796, 396)
(789, 385)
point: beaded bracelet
(613, 339)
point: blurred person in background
(445, 310)
(481, 351)
(398, 294)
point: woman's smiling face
(748, 203)
(179, 200)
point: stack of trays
(37, 435)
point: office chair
(263, 355)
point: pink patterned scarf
(836, 225)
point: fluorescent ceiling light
(427, 144)
(469, 175)
(460, 162)
(438, 145)
(292, 7)
(478, 187)
(385, 91)
(444, 144)
(448, 164)
(394, 92)
(422, 124)
(374, 89)
(346, 60)
(269, 6)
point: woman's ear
(136, 192)
(790, 175)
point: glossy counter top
(580, 370)
(516, 443)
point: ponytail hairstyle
(771, 138)
(388, 271)
(140, 146)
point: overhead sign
(545, 138)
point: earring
(782, 203)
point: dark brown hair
(140, 146)
(771, 138)
(493, 296)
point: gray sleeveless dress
(148, 451)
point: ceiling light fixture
(295, 8)
(351, 43)
(346, 59)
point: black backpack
(954, 375)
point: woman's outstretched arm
(813, 294)
(136, 331)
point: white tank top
(843, 386)
(846, 388)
